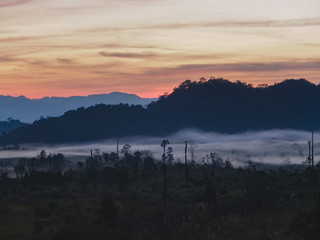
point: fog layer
(273, 146)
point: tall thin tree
(312, 155)
(309, 156)
(186, 160)
(164, 143)
(50, 162)
(91, 159)
(117, 149)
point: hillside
(9, 125)
(29, 110)
(214, 105)
(223, 106)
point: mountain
(9, 125)
(28, 110)
(215, 105)
(224, 106)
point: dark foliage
(306, 224)
(218, 202)
(9, 125)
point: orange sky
(148, 47)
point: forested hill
(214, 105)
(224, 106)
(9, 125)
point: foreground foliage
(126, 202)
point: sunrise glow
(68, 47)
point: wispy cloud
(281, 23)
(240, 67)
(10, 3)
(249, 23)
(164, 55)
(115, 45)
(4, 59)
(128, 54)
(64, 60)
(18, 39)
(29, 38)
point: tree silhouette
(126, 149)
(186, 160)
(169, 156)
(164, 143)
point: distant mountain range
(215, 105)
(27, 110)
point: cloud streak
(242, 67)
(281, 23)
(128, 55)
(64, 60)
(19, 39)
(6, 59)
(11, 3)
(250, 23)
(153, 55)
(31, 38)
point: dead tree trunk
(50, 163)
(164, 144)
(309, 156)
(186, 160)
(312, 155)
(117, 149)
(164, 178)
(91, 160)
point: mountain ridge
(28, 110)
(217, 105)
(9, 125)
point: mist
(272, 147)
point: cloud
(115, 45)
(97, 46)
(33, 37)
(248, 23)
(38, 63)
(64, 60)
(281, 23)
(150, 55)
(19, 39)
(242, 67)
(128, 55)
(8, 59)
(10, 3)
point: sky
(148, 47)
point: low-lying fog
(273, 146)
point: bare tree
(186, 160)
(164, 143)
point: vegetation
(130, 195)
(107, 198)
(9, 125)
(229, 107)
